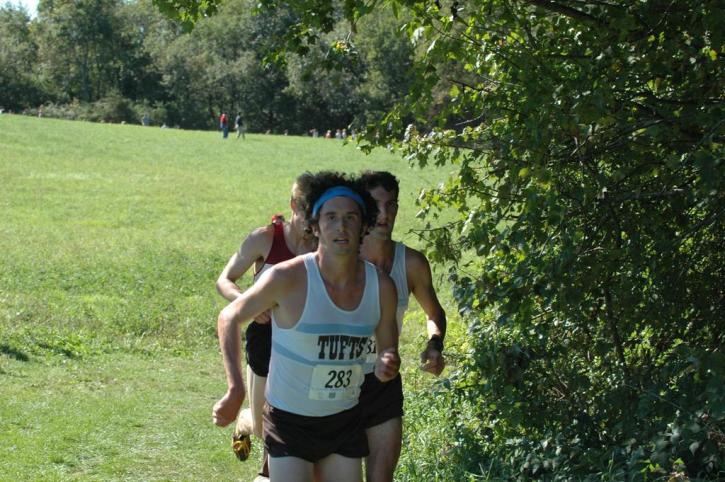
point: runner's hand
(226, 409)
(387, 365)
(263, 318)
(432, 361)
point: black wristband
(436, 342)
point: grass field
(111, 238)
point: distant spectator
(146, 120)
(338, 134)
(40, 111)
(328, 134)
(224, 125)
(239, 125)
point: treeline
(116, 61)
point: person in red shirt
(224, 125)
(264, 247)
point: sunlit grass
(111, 238)
(111, 232)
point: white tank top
(317, 366)
(400, 279)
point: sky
(30, 5)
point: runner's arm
(387, 364)
(421, 283)
(259, 297)
(255, 247)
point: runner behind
(263, 248)
(382, 404)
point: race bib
(371, 351)
(335, 382)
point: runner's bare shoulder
(417, 269)
(259, 242)
(414, 259)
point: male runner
(325, 307)
(383, 403)
(264, 247)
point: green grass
(111, 238)
(114, 417)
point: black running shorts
(380, 401)
(314, 438)
(258, 347)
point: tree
(388, 59)
(141, 25)
(218, 67)
(327, 98)
(116, 61)
(80, 47)
(18, 55)
(586, 251)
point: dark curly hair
(300, 188)
(384, 179)
(324, 180)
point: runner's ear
(314, 228)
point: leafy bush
(72, 111)
(158, 113)
(586, 245)
(546, 412)
(112, 108)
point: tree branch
(566, 11)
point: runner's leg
(384, 441)
(257, 385)
(289, 469)
(337, 468)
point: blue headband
(337, 191)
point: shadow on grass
(58, 350)
(13, 353)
